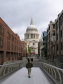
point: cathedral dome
(31, 28)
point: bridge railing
(56, 74)
(9, 68)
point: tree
(29, 50)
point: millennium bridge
(42, 73)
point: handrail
(54, 72)
(52, 66)
(10, 64)
(6, 69)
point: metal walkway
(21, 77)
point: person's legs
(29, 72)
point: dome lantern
(31, 23)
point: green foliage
(29, 50)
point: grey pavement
(21, 77)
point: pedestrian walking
(31, 59)
(29, 65)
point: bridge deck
(21, 77)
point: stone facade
(59, 38)
(51, 41)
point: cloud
(20, 30)
(17, 13)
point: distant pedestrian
(29, 65)
(31, 59)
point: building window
(12, 37)
(1, 54)
(8, 45)
(61, 20)
(53, 33)
(53, 26)
(61, 34)
(8, 35)
(61, 46)
(1, 29)
(56, 36)
(31, 35)
(12, 46)
(7, 54)
(57, 47)
(1, 42)
(56, 25)
(33, 43)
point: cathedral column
(35, 36)
(29, 35)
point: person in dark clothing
(31, 59)
(29, 65)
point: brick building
(10, 44)
(24, 48)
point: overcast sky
(17, 13)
